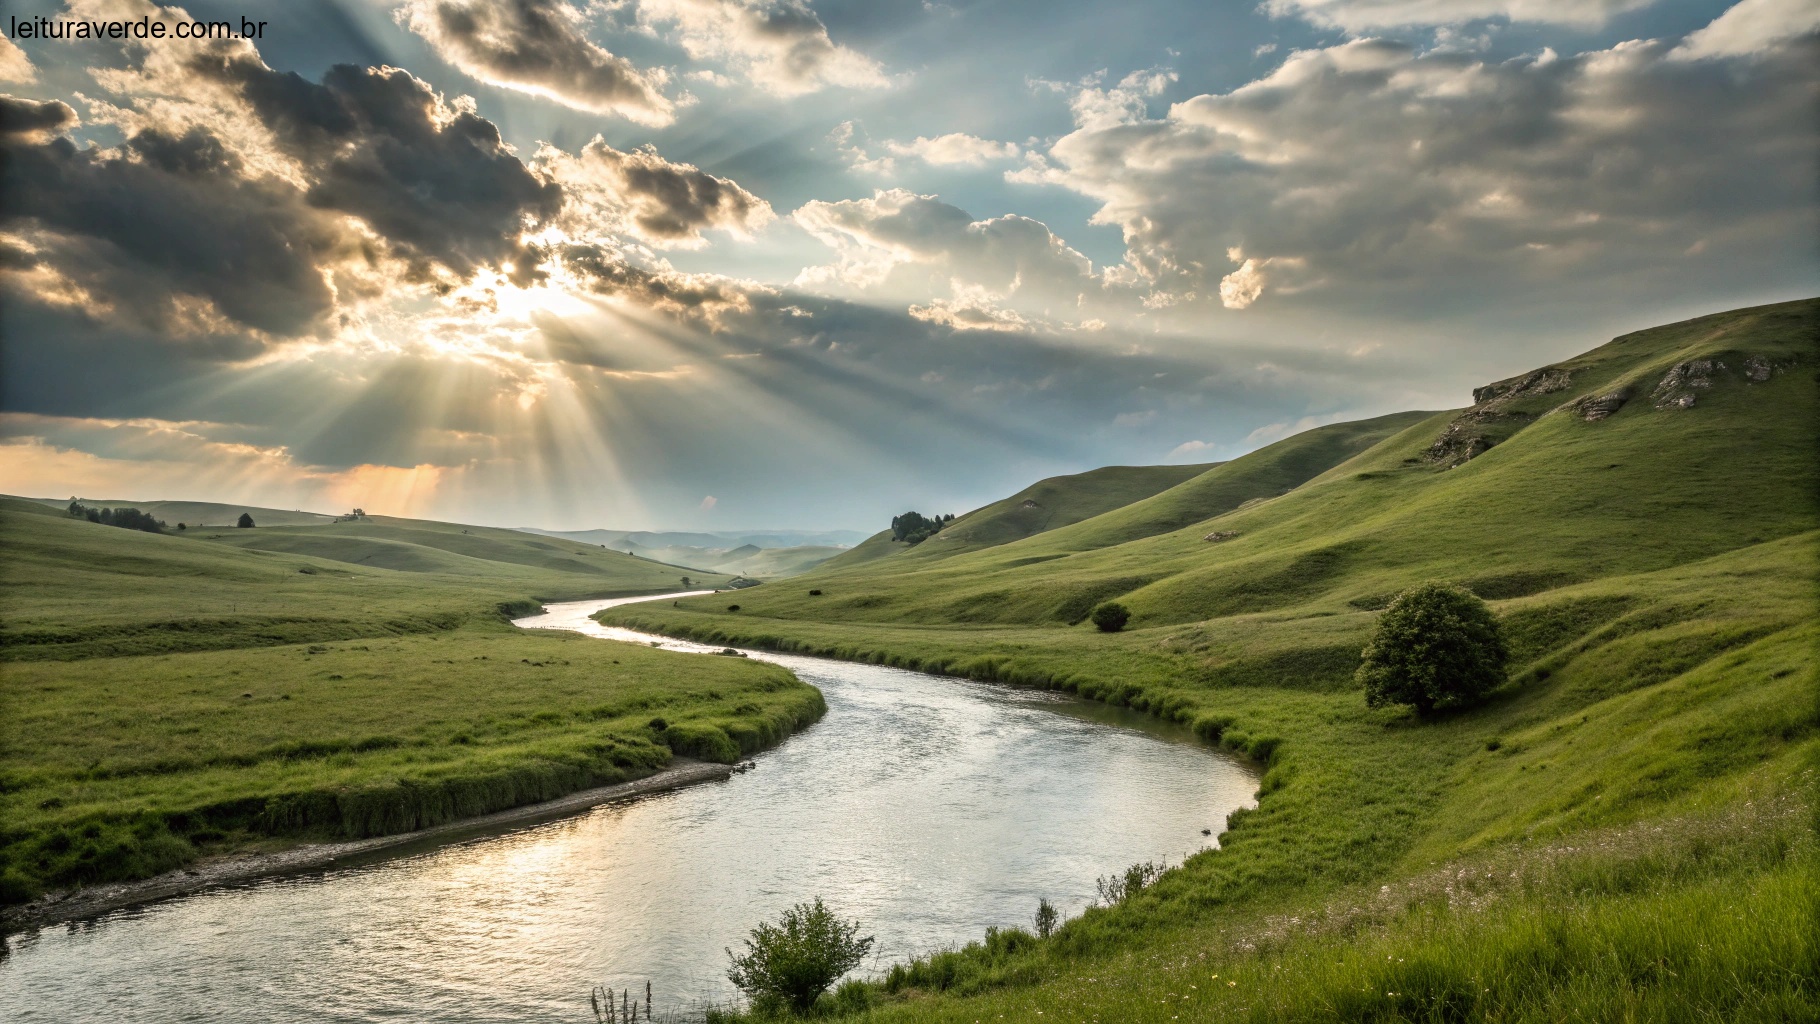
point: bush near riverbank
(1653, 570)
(417, 703)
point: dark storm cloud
(22, 117)
(127, 234)
(538, 46)
(437, 183)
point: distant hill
(220, 587)
(198, 513)
(1045, 505)
(660, 539)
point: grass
(1656, 574)
(168, 697)
(1045, 505)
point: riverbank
(171, 700)
(233, 869)
(1595, 732)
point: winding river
(928, 807)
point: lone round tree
(1111, 617)
(1437, 646)
(246, 521)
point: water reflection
(928, 807)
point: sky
(737, 264)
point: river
(928, 807)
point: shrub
(815, 593)
(1045, 918)
(1436, 647)
(1111, 617)
(245, 521)
(733, 607)
(794, 961)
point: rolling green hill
(1045, 505)
(199, 513)
(78, 589)
(167, 696)
(1625, 831)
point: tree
(1437, 646)
(795, 960)
(245, 521)
(914, 527)
(1111, 617)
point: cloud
(969, 316)
(845, 139)
(1369, 173)
(779, 45)
(605, 269)
(708, 503)
(34, 120)
(1753, 26)
(15, 66)
(538, 46)
(434, 180)
(642, 194)
(955, 148)
(908, 244)
(1362, 15)
(1191, 448)
(248, 206)
(165, 231)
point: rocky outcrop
(1536, 382)
(1468, 436)
(1593, 408)
(1683, 382)
(1220, 535)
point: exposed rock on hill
(1468, 436)
(1593, 408)
(1684, 381)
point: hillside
(1642, 518)
(200, 513)
(1048, 504)
(175, 695)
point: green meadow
(169, 696)
(1625, 831)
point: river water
(927, 807)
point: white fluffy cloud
(1373, 170)
(539, 46)
(902, 244)
(1753, 26)
(955, 148)
(1363, 15)
(15, 66)
(779, 45)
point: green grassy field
(1624, 832)
(170, 696)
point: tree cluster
(126, 518)
(914, 527)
